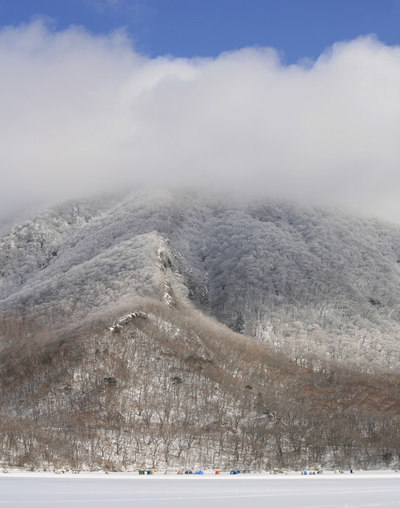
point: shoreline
(331, 475)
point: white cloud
(83, 114)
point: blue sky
(189, 28)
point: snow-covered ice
(251, 491)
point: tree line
(170, 388)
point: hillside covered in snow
(316, 284)
(167, 388)
(185, 329)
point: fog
(83, 114)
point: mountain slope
(317, 284)
(163, 387)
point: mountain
(165, 388)
(316, 284)
(187, 329)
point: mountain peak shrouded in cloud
(83, 114)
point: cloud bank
(82, 114)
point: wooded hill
(316, 283)
(270, 337)
(170, 388)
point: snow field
(123, 490)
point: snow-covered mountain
(317, 284)
(114, 349)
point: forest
(162, 388)
(184, 329)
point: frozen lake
(91, 490)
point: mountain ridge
(180, 329)
(297, 278)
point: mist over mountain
(199, 256)
(93, 115)
(316, 284)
